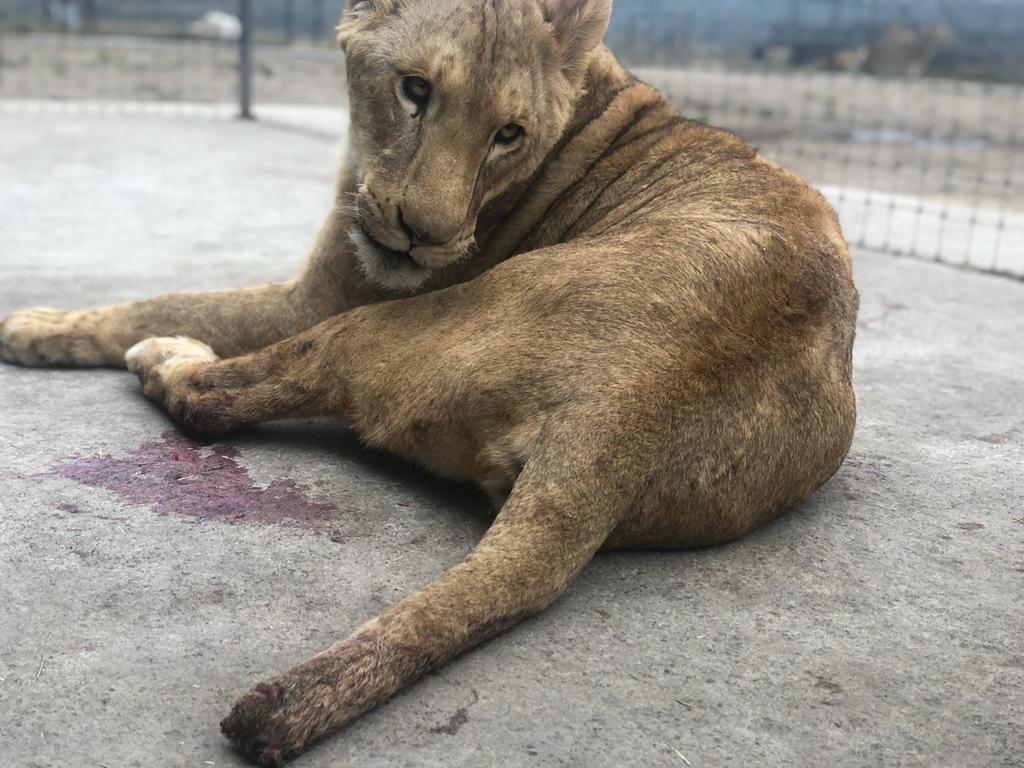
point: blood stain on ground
(179, 476)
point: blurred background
(905, 113)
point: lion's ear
(579, 26)
(357, 12)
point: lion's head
(452, 102)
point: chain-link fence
(135, 54)
(906, 113)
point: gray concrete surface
(879, 624)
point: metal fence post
(289, 21)
(245, 61)
(89, 15)
(317, 28)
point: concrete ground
(145, 582)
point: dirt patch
(459, 719)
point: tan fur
(630, 325)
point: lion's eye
(510, 134)
(416, 90)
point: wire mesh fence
(906, 113)
(178, 52)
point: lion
(630, 328)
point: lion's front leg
(173, 372)
(232, 322)
(46, 336)
(209, 396)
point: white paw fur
(162, 351)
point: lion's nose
(418, 233)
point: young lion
(630, 328)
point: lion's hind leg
(560, 511)
(396, 374)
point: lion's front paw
(157, 357)
(49, 337)
(260, 727)
(173, 372)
